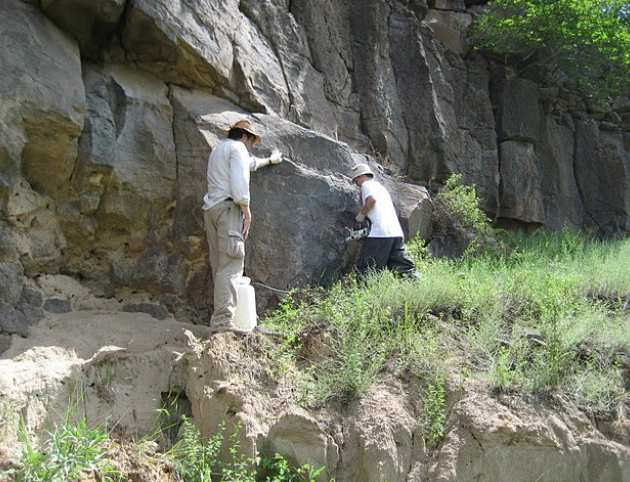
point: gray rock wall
(562, 161)
(109, 110)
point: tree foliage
(585, 42)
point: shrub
(458, 217)
(195, 459)
(462, 202)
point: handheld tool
(360, 231)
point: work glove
(360, 218)
(275, 157)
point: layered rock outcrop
(108, 113)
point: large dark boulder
(299, 208)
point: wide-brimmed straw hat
(246, 126)
(361, 170)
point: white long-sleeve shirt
(229, 165)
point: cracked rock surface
(110, 109)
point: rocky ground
(129, 365)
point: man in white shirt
(384, 246)
(227, 216)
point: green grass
(70, 450)
(547, 313)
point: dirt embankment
(128, 365)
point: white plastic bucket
(245, 317)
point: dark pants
(380, 253)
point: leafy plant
(434, 406)
(596, 388)
(278, 469)
(462, 201)
(198, 460)
(71, 450)
(502, 372)
(418, 250)
(585, 40)
(458, 204)
(288, 319)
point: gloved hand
(275, 157)
(360, 218)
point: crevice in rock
(403, 117)
(317, 64)
(117, 35)
(494, 101)
(176, 406)
(342, 446)
(474, 437)
(454, 10)
(497, 214)
(412, 446)
(169, 97)
(118, 104)
(578, 185)
(291, 108)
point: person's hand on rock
(275, 157)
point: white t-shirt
(383, 215)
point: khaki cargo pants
(224, 229)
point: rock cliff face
(108, 111)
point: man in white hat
(384, 247)
(227, 215)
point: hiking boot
(223, 327)
(265, 331)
